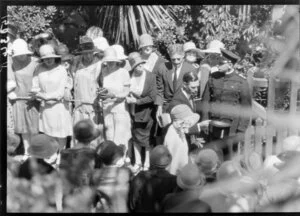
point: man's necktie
(175, 79)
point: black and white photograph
(150, 108)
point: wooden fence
(272, 126)
(266, 135)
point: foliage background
(245, 29)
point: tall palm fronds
(124, 23)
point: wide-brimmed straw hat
(86, 45)
(110, 55)
(183, 112)
(20, 47)
(47, 51)
(120, 52)
(188, 46)
(85, 131)
(145, 40)
(42, 146)
(190, 177)
(135, 59)
(214, 47)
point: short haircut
(190, 77)
(175, 49)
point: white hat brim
(198, 51)
(25, 53)
(51, 56)
(211, 51)
(111, 60)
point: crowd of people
(144, 134)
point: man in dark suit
(169, 77)
(187, 92)
(186, 95)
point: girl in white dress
(49, 82)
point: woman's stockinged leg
(138, 154)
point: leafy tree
(31, 20)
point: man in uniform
(227, 97)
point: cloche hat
(110, 55)
(145, 40)
(120, 52)
(135, 59)
(183, 112)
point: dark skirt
(141, 133)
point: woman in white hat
(49, 82)
(121, 56)
(115, 83)
(182, 119)
(192, 53)
(146, 49)
(25, 111)
(209, 63)
(101, 44)
(153, 61)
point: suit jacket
(165, 83)
(179, 98)
(145, 102)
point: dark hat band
(86, 46)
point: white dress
(178, 148)
(55, 119)
(116, 115)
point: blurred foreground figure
(190, 182)
(111, 179)
(148, 188)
